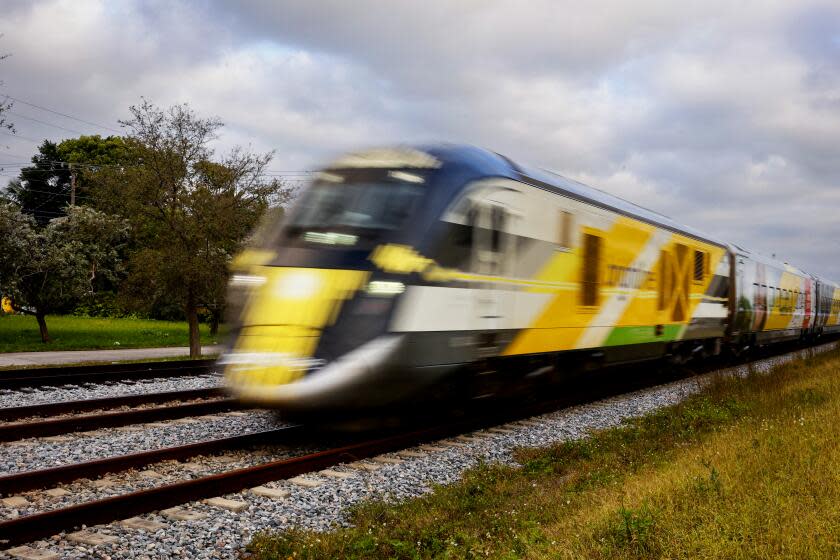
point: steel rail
(37, 377)
(44, 478)
(87, 405)
(57, 426)
(43, 524)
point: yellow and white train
(401, 271)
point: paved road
(12, 359)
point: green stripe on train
(621, 336)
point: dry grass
(747, 469)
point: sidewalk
(12, 359)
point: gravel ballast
(40, 453)
(224, 533)
(10, 398)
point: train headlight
(246, 280)
(385, 288)
(298, 285)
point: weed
(810, 396)
(711, 484)
(633, 529)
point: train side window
(699, 266)
(497, 226)
(466, 233)
(591, 270)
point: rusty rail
(43, 428)
(38, 377)
(45, 478)
(87, 405)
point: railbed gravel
(30, 396)
(123, 408)
(39, 453)
(150, 476)
(224, 534)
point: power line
(19, 137)
(46, 123)
(56, 193)
(63, 114)
(288, 175)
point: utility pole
(72, 186)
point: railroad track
(46, 523)
(87, 405)
(62, 417)
(211, 401)
(39, 377)
(39, 525)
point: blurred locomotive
(405, 272)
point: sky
(722, 115)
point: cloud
(725, 117)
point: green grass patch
(748, 468)
(19, 333)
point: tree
(88, 154)
(44, 269)
(189, 214)
(44, 189)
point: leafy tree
(43, 190)
(44, 269)
(189, 213)
(88, 154)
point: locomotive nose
(345, 383)
(282, 323)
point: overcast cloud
(725, 118)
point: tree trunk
(42, 326)
(195, 339)
(215, 318)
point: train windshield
(357, 207)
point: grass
(19, 333)
(746, 469)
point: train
(407, 272)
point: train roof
(497, 164)
(771, 261)
(482, 162)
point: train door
(760, 297)
(744, 278)
(492, 260)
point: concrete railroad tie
(224, 503)
(305, 482)
(364, 466)
(29, 553)
(273, 493)
(15, 502)
(144, 524)
(180, 514)
(336, 474)
(91, 538)
(387, 460)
